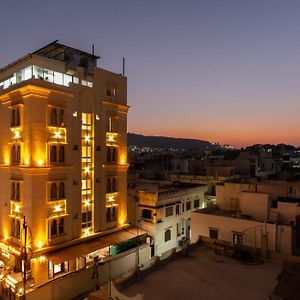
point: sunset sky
(224, 71)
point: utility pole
(24, 259)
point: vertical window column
(87, 174)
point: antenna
(93, 49)
(123, 66)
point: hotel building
(63, 141)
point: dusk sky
(224, 71)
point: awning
(69, 253)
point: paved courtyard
(205, 275)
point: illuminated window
(167, 235)
(86, 219)
(237, 238)
(56, 270)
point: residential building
(263, 217)
(63, 141)
(164, 212)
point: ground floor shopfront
(67, 272)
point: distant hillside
(163, 142)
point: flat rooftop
(205, 275)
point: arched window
(53, 117)
(167, 235)
(53, 228)
(108, 220)
(61, 154)
(108, 154)
(18, 229)
(53, 191)
(53, 154)
(114, 214)
(114, 185)
(13, 226)
(17, 195)
(114, 154)
(61, 118)
(18, 159)
(108, 185)
(17, 121)
(13, 190)
(61, 190)
(61, 226)
(13, 154)
(13, 118)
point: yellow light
(110, 199)
(40, 162)
(87, 138)
(42, 258)
(122, 222)
(86, 169)
(111, 138)
(86, 231)
(40, 244)
(17, 134)
(20, 290)
(7, 161)
(87, 202)
(57, 208)
(17, 208)
(26, 161)
(57, 135)
(1, 276)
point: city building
(63, 141)
(262, 217)
(164, 212)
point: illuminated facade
(63, 138)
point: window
(16, 228)
(56, 117)
(15, 190)
(57, 269)
(111, 214)
(111, 92)
(15, 154)
(237, 238)
(188, 205)
(147, 214)
(57, 154)
(111, 154)
(57, 190)
(177, 209)
(196, 203)
(57, 227)
(86, 218)
(111, 185)
(167, 235)
(182, 207)
(169, 211)
(213, 233)
(15, 117)
(111, 124)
